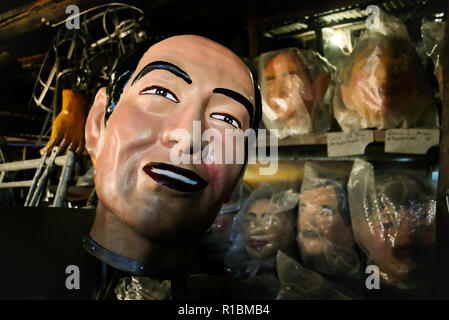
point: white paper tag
(415, 141)
(348, 143)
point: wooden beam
(308, 10)
(41, 15)
(16, 11)
(442, 219)
(30, 61)
(252, 31)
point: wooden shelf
(305, 139)
(319, 139)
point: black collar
(113, 259)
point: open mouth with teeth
(179, 179)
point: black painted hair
(125, 69)
(122, 74)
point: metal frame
(43, 167)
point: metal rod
(65, 176)
(43, 179)
(55, 101)
(30, 164)
(16, 184)
(36, 177)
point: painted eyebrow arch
(239, 98)
(163, 65)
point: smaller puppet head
(287, 84)
(268, 222)
(384, 83)
(379, 74)
(398, 233)
(320, 216)
(294, 84)
(325, 235)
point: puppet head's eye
(227, 118)
(160, 92)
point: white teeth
(173, 175)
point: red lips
(258, 244)
(179, 179)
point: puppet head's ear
(94, 130)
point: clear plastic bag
(383, 84)
(299, 283)
(296, 87)
(433, 35)
(393, 218)
(216, 241)
(325, 235)
(265, 224)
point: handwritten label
(415, 141)
(348, 143)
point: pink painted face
(185, 78)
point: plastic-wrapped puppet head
(393, 218)
(325, 235)
(265, 224)
(294, 86)
(383, 84)
(151, 211)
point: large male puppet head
(151, 210)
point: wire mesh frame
(111, 44)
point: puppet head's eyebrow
(177, 71)
(239, 98)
